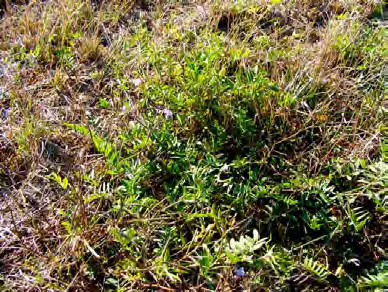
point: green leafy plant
(244, 249)
(63, 182)
(379, 280)
(315, 268)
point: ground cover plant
(193, 145)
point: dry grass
(138, 138)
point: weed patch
(192, 145)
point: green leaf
(316, 268)
(112, 281)
(65, 183)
